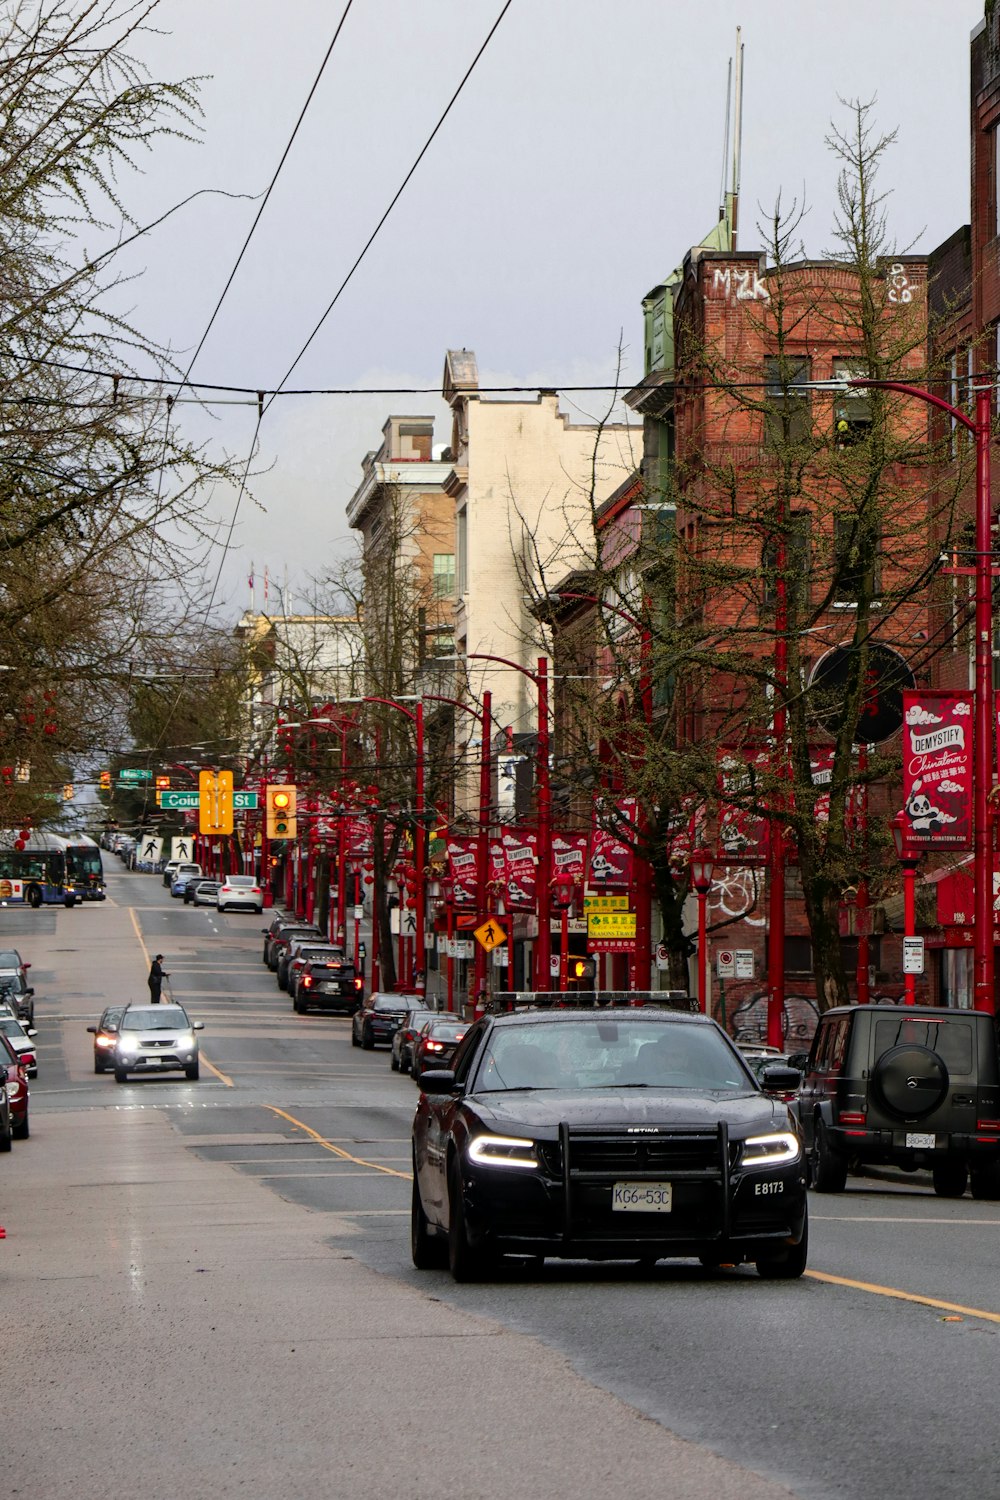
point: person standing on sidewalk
(156, 978)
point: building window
(798, 561)
(787, 418)
(798, 955)
(444, 575)
(852, 559)
(852, 410)
(462, 537)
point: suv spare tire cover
(912, 1081)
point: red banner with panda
(937, 768)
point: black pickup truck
(328, 984)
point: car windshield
(10, 1027)
(602, 1053)
(154, 1018)
(240, 880)
(10, 959)
(12, 984)
(449, 1031)
(386, 1002)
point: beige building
(300, 660)
(526, 482)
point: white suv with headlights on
(156, 1039)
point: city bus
(50, 870)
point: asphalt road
(867, 1377)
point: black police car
(605, 1134)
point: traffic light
(583, 972)
(281, 812)
(106, 781)
(163, 783)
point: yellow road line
(900, 1296)
(209, 1065)
(338, 1150)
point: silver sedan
(240, 893)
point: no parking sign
(725, 961)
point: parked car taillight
(852, 1117)
(359, 984)
(307, 980)
(435, 1046)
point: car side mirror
(92, 1030)
(31, 1031)
(29, 992)
(437, 1081)
(25, 966)
(780, 1080)
(799, 1060)
(197, 1026)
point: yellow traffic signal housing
(281, 822)
(163, 783)
(215, 806)
(105, 780)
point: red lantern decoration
(50, 729)
(19, 843)
(410, 903)
(25, 833)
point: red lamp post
(485, 722)
(909, 859)
(702, 869)
(540, 678)
(983, 956)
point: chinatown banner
(937, 768)
(496, 870)
(569, 856)
(520, 852)
(359, 837)
(462, 870)
(685, 833)
(742, 830)
(610, 858)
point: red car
(16, 1075)
(436, 1044)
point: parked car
(436, 1044)
(15, 989)
(377, 1020)
(18, 1094)
(21, 1041)
(105, 1035)
(240, 893)
(170, 870)
(605, 1135)
(276, 942)
(762, 1057)
(6, 1122)
(912, 1086)
(405, 1035)
(156, 1039)
(328, 984)
(202, 893)
(295, 955)
(183, 875)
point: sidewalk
(175, 1328)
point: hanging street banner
(569, 856)
(462, 870)
(742, 831)
(937, 768)
(520, 854)
(610, 857)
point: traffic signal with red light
(280, 810)
(583, 972)
(106, 781)
(163, 783)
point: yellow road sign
(605, 903)
(611, 924)
(490, 934)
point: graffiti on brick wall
(900, 289)
(735, 890)
(740, 286)
(798, 1022)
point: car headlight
(773, 1150)
(128, 1047)
(502, 1151)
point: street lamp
(485, 722)
(702, 868)
(540, 678)
(908, 858)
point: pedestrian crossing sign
(490, 934)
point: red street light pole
(983, 956)
(702, 866)
(908, 858)
(416, 715)
(643, 886)
(541, 681)
(485, 722)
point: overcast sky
(581, 161)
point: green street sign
(244, 800)
(179, 799)
(135, 773)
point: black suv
(328, 984)
(910, 1086)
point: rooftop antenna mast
(737, 133)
